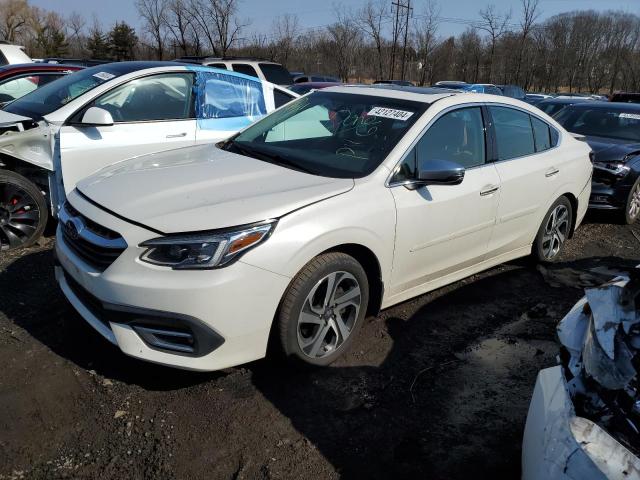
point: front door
(442, 229)
(150, 114)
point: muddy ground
(436, 388)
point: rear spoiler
(578, 136)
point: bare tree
(14, 18)
(530, 15)
(154, 14)
(76, 25)
(371, 20)
(217, 20)
(346, 38)
(286, 29)
(426, 29)
(496, 26)
(179, 24)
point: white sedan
(343, 202)
(64, 131)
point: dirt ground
(436, 388)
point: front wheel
(23, 211)
(554, 231)
(632, 208)
(323, 309)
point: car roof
(419, 94)
(317, 84)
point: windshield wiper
(270, 157)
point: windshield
(57, 94)
(330, 134)
(276, 73)
(602, 122)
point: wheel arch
(574, 207)
(372, 268)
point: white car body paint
(558, 445)
(73, 152)
(422, 239)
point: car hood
(611, 149)
(204, 188)
(8, 119)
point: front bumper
(558, 445)
(233, 306)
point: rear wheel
(323, 309)
(554, 231)
(23, 211)
(632, 208)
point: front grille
(96, 245)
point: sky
(453, 13)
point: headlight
(205, 250)
(618, 169)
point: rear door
(227, 103)
(529, 168)
(151, 114)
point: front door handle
(489, 190)
(551, 172)
(177, 135)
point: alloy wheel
(329, 314)
(556, 231)
(634, 203)
(19, 216)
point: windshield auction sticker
(633, 116)
(390, 113)
(104, 75)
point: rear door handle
(551, 172)
(177, 135)
(489, 190)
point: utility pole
(406, 35)
(396, 31)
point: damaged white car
(52, 138)
(584, 417)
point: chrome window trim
(443, 112)
(390, 184)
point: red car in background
(18, 80)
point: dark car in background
(451, 84)
(18, 80)
(306, 87)
(612, 130)
(625, 97)
(552, 106)
(315, 79)
(400, 83)
(513, 91)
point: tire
(23, 211)
(312, 330)
(554, 231)
(632, 207)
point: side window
(280, 98)
(220, 95)
(246, 69)
(542, 134)
(221, 66)
(159, 97)
(514, 134)
(457, 136)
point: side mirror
(97, 117)
(440, 172)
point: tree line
(581, 50)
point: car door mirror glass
(440, 172)
(96, 117)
